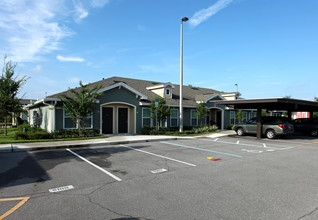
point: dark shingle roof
(190, 94)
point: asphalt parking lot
(221, 178)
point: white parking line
(202, 149)
(168, 158)
(101, 169)
(248, 145)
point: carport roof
(272, 104)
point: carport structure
(290, 105)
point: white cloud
(80, 11)
(69, 59)
(99, 3)
(206, 13)
(33, 28)
(37, 69)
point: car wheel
(270, 134)
(314, 133)
(240, 132)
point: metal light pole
(181, 77)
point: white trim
(142, 116)
(64, 116)
(118, 103)
(127, 119)
(212, 97)
(168, 89)
(174, 118)
(196, 117)
(161, 86)
(121, 84)
(222, 116)
(41, 101)
(101, 117)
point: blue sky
(268, 47)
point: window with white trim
(146, 117)
(232, 117)
(174, 118)
(245, 115)
(168, 91)
(70, 124)
(253, 115)
(194, 118)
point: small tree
(80, 103)
(202, 112)
(9, 89)
(239, 115)
(163, 111)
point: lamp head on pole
(184, 19)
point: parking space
(109, 179)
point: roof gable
(122, 84)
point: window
(194, 118)
(174, 122)
(232, 117)
(245, 115)
(70, 124)
(277, 114)
(168, 92)
(253, 114)
(146, 119)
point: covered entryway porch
(216, 117)
(118, 118)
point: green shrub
(230, 127)
(147, 130)
(32, 135)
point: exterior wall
(160, 92)
(131, 116)
(58, 119)
(43, 116)
(120, 96)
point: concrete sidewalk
(112, 140)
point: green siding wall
(117, 95)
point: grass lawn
(11, 133)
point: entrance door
(219, 119)
(107, 120)
(122, 120)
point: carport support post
(259, 124)
(289, 114)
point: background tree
(163, 111)
(9, 89)
(239, 115)
(316, 113)
(202, 112)
(79, 103)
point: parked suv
(271, 127)
(306, 126)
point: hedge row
(26, 132)
(147, 130)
